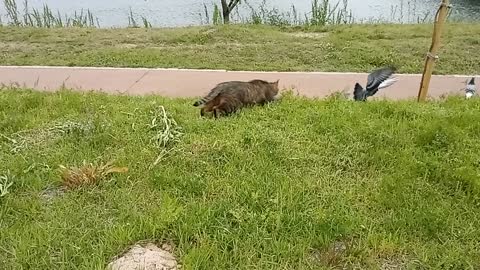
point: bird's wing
(388, 82)
(377, 77)
(358, 93)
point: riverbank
(353, 48)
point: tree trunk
(227, 9)
(225, 12)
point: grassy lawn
(394, 183)
(342, 48)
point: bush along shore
(321, 13)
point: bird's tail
(471, 86)
(358, 93)
(472, 81)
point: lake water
(114, 13)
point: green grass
(359, 48)
(269, 188)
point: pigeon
(378, 79)
(470, 89)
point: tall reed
(45, 17)
(132, 22)
(322, 12)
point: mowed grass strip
(299, 184)
(354, 48)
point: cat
(228, 97)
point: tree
(227, 9)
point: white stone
(149, 257)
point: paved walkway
(191, 83)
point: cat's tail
(214, 93)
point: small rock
(339, 247)
(149, 257)
(48, 195)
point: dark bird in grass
(378, 79)
(470, 90)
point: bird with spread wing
(378, 79)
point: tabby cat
(228, 97)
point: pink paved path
(191, 83)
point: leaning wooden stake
(432, 54)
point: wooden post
(432, 54)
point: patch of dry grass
(88, 174)
(30, 138)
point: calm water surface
(114, 13)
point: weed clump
(6, 181)
(166, 132)
(88, 174)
